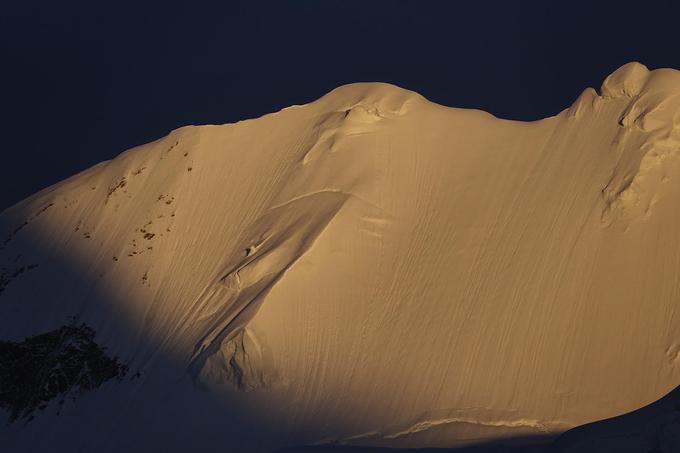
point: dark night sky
(82, 81)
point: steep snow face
(369, 269)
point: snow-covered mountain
(369, 269)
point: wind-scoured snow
(369, 269)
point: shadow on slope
(521, 444)
(654, 428)
(651, 429)
(155, 406)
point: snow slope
(367, 269)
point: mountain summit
(369, 269)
